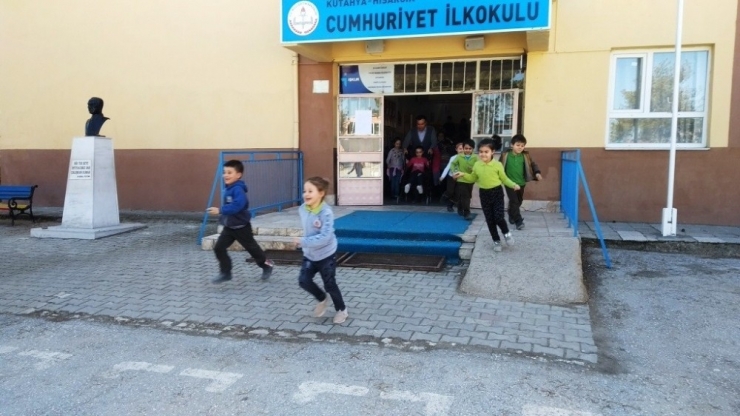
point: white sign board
(80, 169)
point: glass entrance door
(495, 112)
(360, 149)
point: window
(641, 96)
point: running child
(319, 246)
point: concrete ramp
(538, 267)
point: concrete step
(278, 242)
(267, 242)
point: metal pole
(670, 213)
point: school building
(339, 79)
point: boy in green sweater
(490, 175)
(520, 168)
(464, 187)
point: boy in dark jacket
(520, 168)
(235, 218)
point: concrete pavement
(160, 277)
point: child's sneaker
(496, 246)
(267, 271)
(320, 309)
(420, 189)
(407, 188)
(509, 239)
(520, 226)
(222, 277)
(341, 316)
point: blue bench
(11, 194)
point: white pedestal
(91, 199)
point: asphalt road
(666, 326)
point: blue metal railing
(274, 180)
(571, 177)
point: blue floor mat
(424, 226)
(425, 233)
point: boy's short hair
(235, 164)
(469, 142)
(518, 138)
(419, 148)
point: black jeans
(492, 202)
(245, 237)
(515, 204)
(450, 192)
(328, 270)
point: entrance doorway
(462, 99)
(447, 114)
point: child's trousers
(245, 237)
(492, 202)
(515, 204)
(463, 191)
(327, 268)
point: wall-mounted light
(474, 43)
(374, 46)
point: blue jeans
(396, 182)
(328, 269)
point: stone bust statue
(95, 123)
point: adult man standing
(423, 135)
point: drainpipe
(296, 85)
(669, 220)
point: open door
(360, 149)
(495, 112)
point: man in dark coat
(423, 135)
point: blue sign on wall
(306, 21)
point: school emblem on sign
(303, 18)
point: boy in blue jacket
(235, 218)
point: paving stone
(485, 342)
(264, 323)
(312, 327)
(539, 349)
(291, 326)
(174, 317)
(444, 331)
(523, 346)
(456, 340)
(391, 326)
(404, 335)
(224, 320)
(423, 336)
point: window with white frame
(641, 96)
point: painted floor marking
(48, 358)
(436, 404)
(139, 366)
(221, 380)
(530, 410)
(308, 391)
(6, 349)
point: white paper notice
(363, 122)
